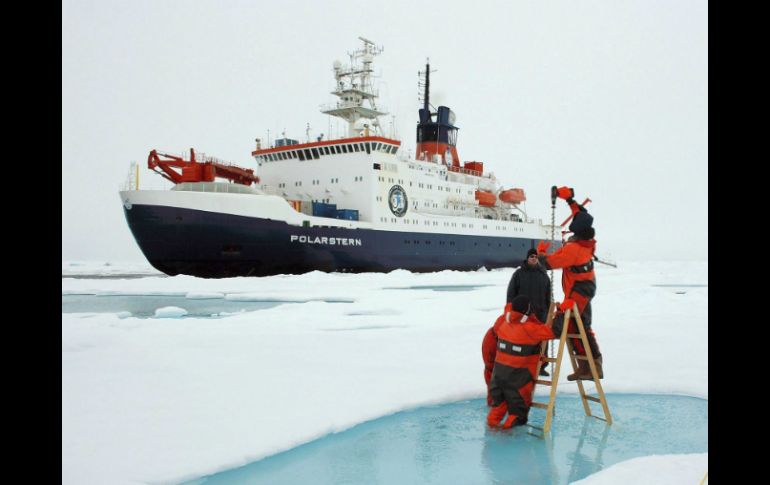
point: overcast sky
(610, 97)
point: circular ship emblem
(397, 201)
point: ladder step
(581, 357)
(574, 335)
(535, 427)
(540, 405)
(594, 399)
(598, 417)
(545, 383)
(549, 359)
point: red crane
(195, 171)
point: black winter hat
(585, 234)
(582, 220)
(521, 304)
(531, 252)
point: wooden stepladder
(565, 339)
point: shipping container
(321, 209)
(347, 214)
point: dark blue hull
(215, 245)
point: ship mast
(354, 87)
(426, 96)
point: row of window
(316, 152)
(446, 224)
(451, 243)
(392, 180)
(318, 182)
(422, 185)
(428, 203)
(406, 221)
(440, 187)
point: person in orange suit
(575, 259)
(519, 334)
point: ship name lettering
(330, 241)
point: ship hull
(179, 240)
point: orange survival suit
(578, 281)
(519, 334)
(488, 352)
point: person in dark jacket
(531, 280)
(519, 334)
(575, 258)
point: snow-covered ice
(147, 400)
(170, 312)
(657, 469)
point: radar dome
(337, 65)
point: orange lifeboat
(485, 198)
(513, 196)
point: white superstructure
(360, 171)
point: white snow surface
(658, 469)
(170, 312)
(163, 400)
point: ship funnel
(439, 138)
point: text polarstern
(331, 241)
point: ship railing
(345, 105)
(219, 187)
(461, 201)
(340, 105)
(468, 171)
(366, 92)
(201, 157)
